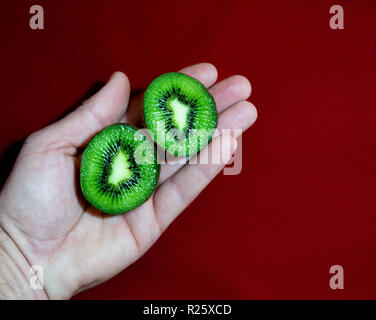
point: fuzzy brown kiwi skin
(159, 172)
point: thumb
(104, 108)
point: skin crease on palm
(46, 221)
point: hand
(47, 222)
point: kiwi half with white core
(180, 113)
(119, 169)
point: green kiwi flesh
(180, 113)
(119, 169)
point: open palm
(52, 225)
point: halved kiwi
(180, 113)
(119, 169)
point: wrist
(15, 272)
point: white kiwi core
(180, 112)
(120, 168)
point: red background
(305, 199)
